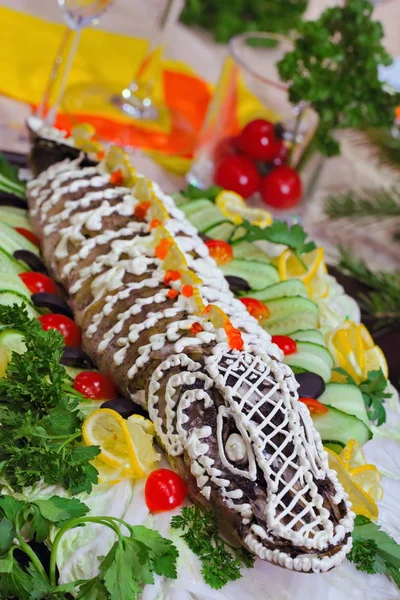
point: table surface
(353, 169)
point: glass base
(130, 122)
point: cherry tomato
(65, 325)
(256, 308)
(281, 188)
(37, 282)
(95, 385)
(237, 173)
(315, 407)
(258, 140)
(29, 235)
(164, 490)
(285, 343)
(220, 251)
(225, 147)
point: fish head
(256, 457)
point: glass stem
(140, 90)
(59, 73)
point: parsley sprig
(334, 66)
(374, 393)
(294, 236)
(220, 561)
(130, 563)
(40, 424)
(374, 551)
(9, 180)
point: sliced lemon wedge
(234, 207)
(362, 502)
(290, 267)
(126, 445)
(355, 351)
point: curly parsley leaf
(374, 551)
(221, 562)
(280, 232)
(38, 413)
(374, 393)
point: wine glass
(136, 115)
(77, 14)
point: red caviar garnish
(172, 294)
(154, 223)
(207, 309)
(162, 249)
(234, 336)
(141, 210)
(171, 276)
(100, 154)
(116, 177)
(196, 328)
(187, 291)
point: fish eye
(235, 448)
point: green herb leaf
(334, 68)
(7, 534)
(374, 393)
(221, 562)
(39, 416)
(374, 551)
(9, 181)
(294, 237)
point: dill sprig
(378, 203)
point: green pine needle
(382, 303)
(378, 203)
(384, 146)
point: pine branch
(382, 303)
(384, 144)
(379, 203)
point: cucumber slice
(258, 275)
(206, 218)
(334, 446)
(309, 362)
(290, 287)
(308, 335)
(12, 340)
(316, 350)
(8, 264)
(287, 314)
(221, 231)
(11, 240)
(339, 427)
(15, 217)
(9, 297)
(248, 251)
(347, 398)
(11, 282)
(192, 207)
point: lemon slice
(290, 267)
(369, 479)
(126, 446)
(352, 455)
(234, 207)
(362, 502)
(374, 360)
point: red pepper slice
(315, 407)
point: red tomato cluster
(241, 161)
